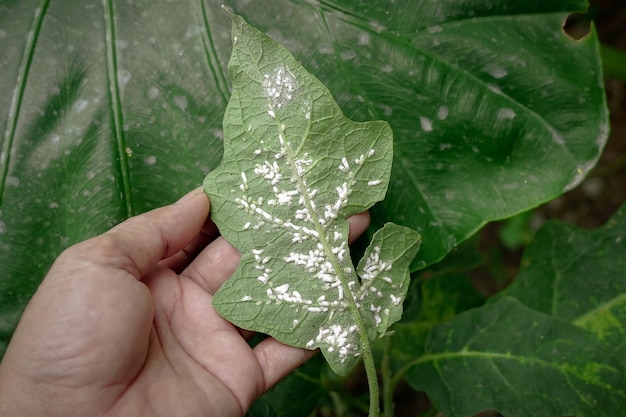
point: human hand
(123, 325)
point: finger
(213, 265)
(358, 225)
(217, 262)
(179, 261)
(139, 243)
(278, 360)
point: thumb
(139, 243)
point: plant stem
(365, 344)
(372, 378)
(388, 386)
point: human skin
(123, 325)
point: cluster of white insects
(324, 248)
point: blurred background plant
(599, 196)
(496, 251)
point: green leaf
(293, 169)
(442, 297)
(99, 102)
(304, 384)
(464, 257)
(579, 276)
(494, 110)
(507, 357)
(111, 108)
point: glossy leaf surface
(507, 357)
(107, 109)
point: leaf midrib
(116, 106)
(491, 356)
(519, 105)
(322, 235)
(16, 102)
(396, 39)
(399, 40)
(211, 55)
(583, 320)
(365, 345)
(291, 157)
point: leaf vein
(490, 356)
(116, 106)
(211, 56)
(16, 102)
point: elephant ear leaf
(294, 168)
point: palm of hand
(123, 325)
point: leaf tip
(228, 10)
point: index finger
(179, 261)
(139, 243)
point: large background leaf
(507, 357)
(110, 108)
(439, 299)
(579, 276)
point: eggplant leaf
(507, 357)
(293, 169)
(579, 276)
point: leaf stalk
(388, 385)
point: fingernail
(190, 195)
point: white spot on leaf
(181, 102)
(506, 113)
(153, 93)
(442, 113)
(426, 123)
(279, 86)
(496, 71)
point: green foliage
(520, 362)
(441, 299)
(111, 108)
(579, 276)
(305, 385)
(294, 169)
(613, 62)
